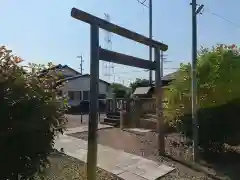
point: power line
(121, 76)
(162, 58)
(225, 19)
(205, 10)
(150, 32)
(143, 3)
(221, 17)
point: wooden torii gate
(97, 53)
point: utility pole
(81, 63)
(81, 71)
(150, 36)
(161, 61)
(150, 33)
(195, 10)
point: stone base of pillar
(124, 119)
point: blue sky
(43, 31)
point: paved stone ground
(145, 146)
(64, 167)
(125, 165)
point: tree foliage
(31, 116)
(119, 89)
(218, 74)
(139, 83)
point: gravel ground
(67, 168)
(145, 145)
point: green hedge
(218, 74)
(30, 117)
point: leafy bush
(218, 74)
(140, 83)
(31, 116)
(120, 90)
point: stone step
(110, 124)
(113, 117)
(149, 119)
(150, 116)
(113, 114)
(148, 124)
(112, 121)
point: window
(75, 95)
(71, 95)
(86, 95)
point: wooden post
(159, 113)
(114, 104)
(81, 117)
(93, 113)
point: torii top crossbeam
(88, 18)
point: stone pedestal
(136, 112)
(114, 102)
(124, 119)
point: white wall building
(77, 86)
(78, 89)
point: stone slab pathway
(120, 163)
